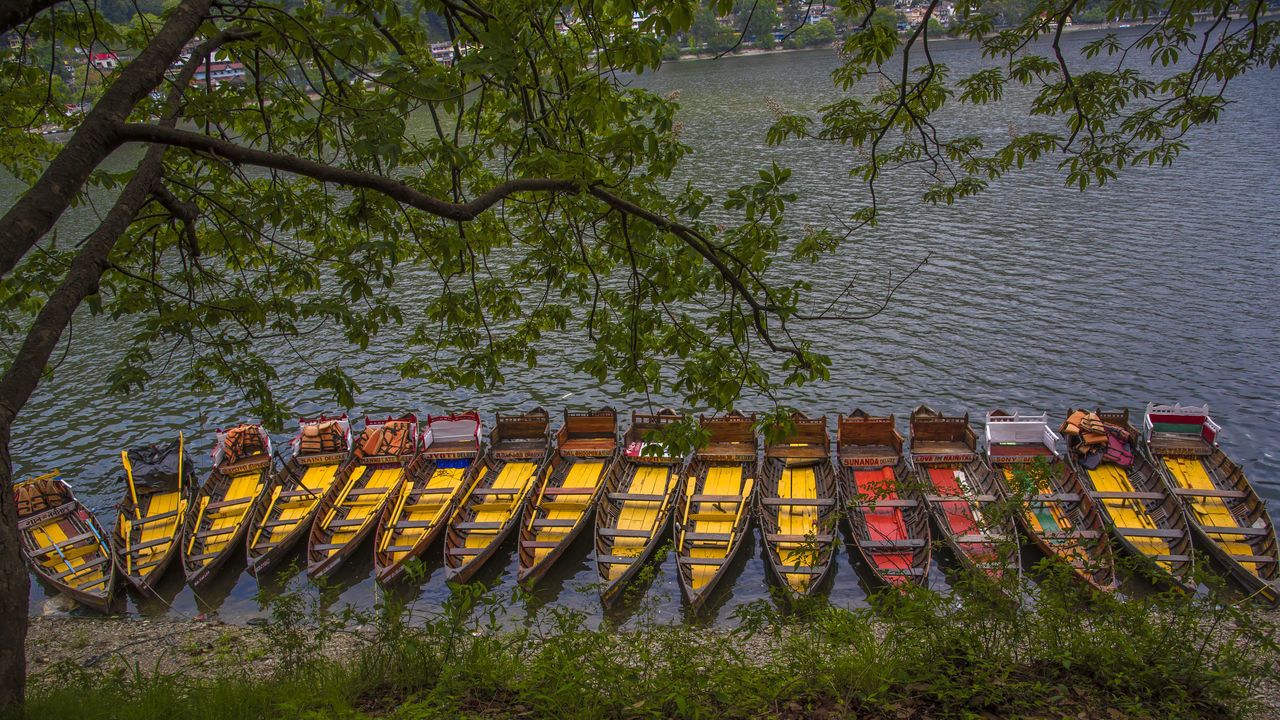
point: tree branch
(16, 12)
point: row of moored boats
(408, 484)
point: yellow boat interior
(421, 508)
(798, 504)
(586, 448)
(519, 447)
(61, 540)
(714, 514)
(227, 497)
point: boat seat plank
(1169, 558)
(1082, 534)
(229, 503)
(800, 569)
(290, 494)
(1055, 497)
(150, 543)
(328, 546)
(798, 502)
(397, 548)
(603, 446)
(717, 498)
(1149, 532)
(414, 524)
(218, 531)
(702, 561)
(616, 559)
(569, 491)
(348, 523)
(367, 491)
(713, 517)
(1254, 558)
(615, 532)
(154, 518)
(868, 504)
(562, 522)
(76, 570)
(900, 571)
(1196, 492)
(802, 452)
(1234, 530)
(488, 492)
(778, 538)
(477, 525)
(278, 523)
(466, 550)
(903, 543)
(1108, 495)
(976, 538)
(637, 496)
(437, 491)
(204, 556)
(715, 537)
(539, 543)
(960, 498)
(62, 543)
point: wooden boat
(1227, 516)
(519, 449)
(1144, 516)
(62, 542)
(293, 494)
(797, 505)
(217, 522)
(962, 493)
(1058, 513)
(636, 506)
(882, 499)
(349, 510)
(586, 449)
(420, 510)
(714, 514)
(148, 532)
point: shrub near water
(975, 653)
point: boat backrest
(458, 430)
(1180, 419)
(1018, 429)
(602, 423)
(927, 425)
(732, 436)
(39, 494)
(809, 439)
(863, 429)
(521, 435)
(633, 441)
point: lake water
(1161, 286)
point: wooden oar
(542, 492)
(689, 492)
(204, 501)
(133, 491)
(266, 515)
(333, 507)
(182, 441)
(395, 515)
(126, 527)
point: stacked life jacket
(39, 496)
(242, 441)
(1096, 441)
(321, 438)
(393, 438)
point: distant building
(442, 52)
(219, 73)
(104, 61)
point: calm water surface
(1161, 286)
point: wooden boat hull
(348, 512)
(1144, 516)
(1250, 534)
(436, 492)
(555, 503)
(889, 521)
(284, 517)
(711, 523)
(629, 493)
(963, 501)
(224, 502)
(475, 531)
(52, 540)
(159, 528)
(1062, 521)
(797, 505)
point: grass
(1062, 651)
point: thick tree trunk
(14, 586)
(39, 207)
